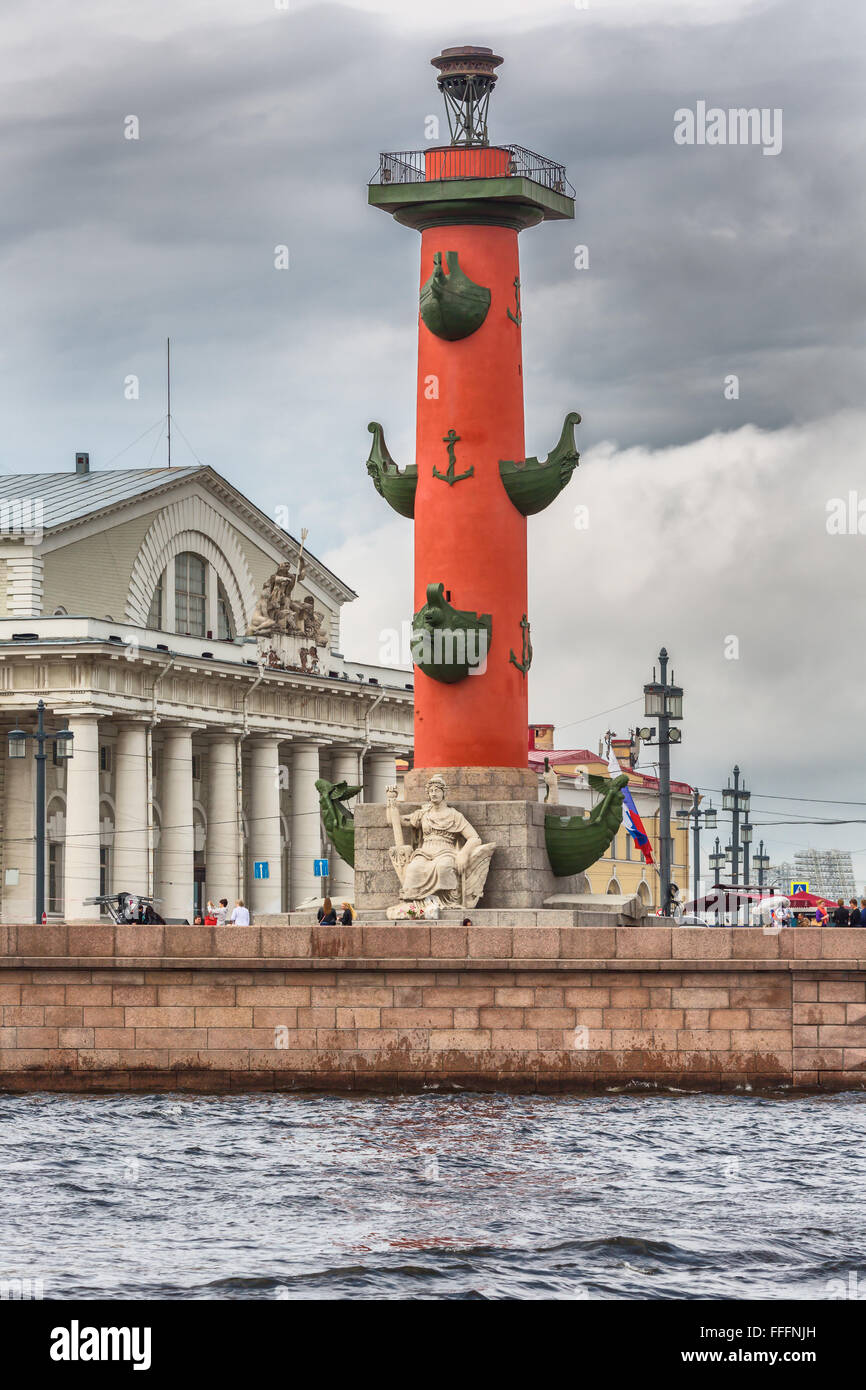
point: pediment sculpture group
(277, 613)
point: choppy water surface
(434, 1196)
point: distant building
(781, 876)
(622, 868)
(829, 872)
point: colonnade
(153, 840)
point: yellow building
(622, 869)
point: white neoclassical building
(124, 600)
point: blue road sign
(261, 868)
(320, 868)
(797, 888)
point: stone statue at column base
(446, 866)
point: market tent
(806, 900)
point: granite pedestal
(520, 874)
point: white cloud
(685, 547)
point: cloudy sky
(706, 517)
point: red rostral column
(469, 200)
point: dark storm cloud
(703, 261)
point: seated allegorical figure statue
(448, 864)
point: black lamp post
(663, 702)
(761, 862)
(696, 815)
(18, 739)
(736, 800)
(746, 838)
(717, 864)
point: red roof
(559, 756)
(568, 755)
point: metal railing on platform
(473, 161)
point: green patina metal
(452, 306)
(508, 201)
(450, 476)
(533, 485)
(337, 818)
(574, 843)
(397, 488)
(526, 660)
(517, 316)
(447, 642)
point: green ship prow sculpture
(574, 843)
(448, 642)
(452, 306)
(337, 818)
(533, 485)
(396, 486)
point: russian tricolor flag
(630, 817)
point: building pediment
(102, 541)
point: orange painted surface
(458, 163)
(469, 536)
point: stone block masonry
(520, 875)
(394, 1008)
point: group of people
(854, 915)
(327, 914)
(221, 916)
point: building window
(189, 594)
(154, 616)
(225, 632)
(55, 878)
(104, 758)
(104, 870)
(196, 767)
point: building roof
(564, 756)
(582, 757)
(71, 496)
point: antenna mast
(168, 392)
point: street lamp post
(665, 703)
(746, 837)
(696, 815)
(717, 864)
(736, 800)
(18, 739)
(762, 863)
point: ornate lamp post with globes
(664, 702)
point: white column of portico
(19, 847)
(344, 768)
(264, 825)
(175, 881)
(221, 851)
(306, 824)
(130, 810)
(380, 772)
(81, 851)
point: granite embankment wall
(400, 1007)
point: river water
(616, 1196)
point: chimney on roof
(541, 737)
(623, 747)
(82, 463)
